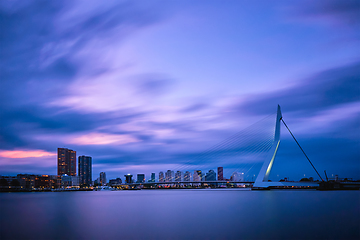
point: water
(181, 214)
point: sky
(147, 86)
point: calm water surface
(181, 214)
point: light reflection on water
(181, 214)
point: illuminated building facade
(196, 177)
(220, 175)
(102, 178)
(161, 177)
(85, 170)
(169, 176)
(187, 176)
(66, 162)
(178, 176)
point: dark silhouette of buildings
(66, 162)
(85, 170)
(210, 176)
(128, 178)
(140, 178)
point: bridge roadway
(187, 182)
(268, 184)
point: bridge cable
(301, 149)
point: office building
(69, 181)
(169, 176)
(128, 178)
(220, 175)
(187, 176)
(178, 176)
(103, 179)
(66, 162)
(85, 170)
(161, 177)
(115, 182)
(210, 176)
(152, 177)
(196, 177)
(140, 178)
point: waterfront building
(178, 176)
(196, 177)
(220, 175)
(199, 173)
(27, 181)
(114, 182)
(210, 176)
(187, 176)
(128, 178)
(152, 177)
(161, 177)
(66, 162)
(85, 170)
(168, 176)
(140, 178)
(103, 179)
(69, 181)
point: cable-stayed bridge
(248, 156)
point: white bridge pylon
(263, 176)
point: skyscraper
(220, 174)
(85, 170)
(66, 162)
(103, 178)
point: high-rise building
(128, 178)
(178, 176)
(187, 176)
(210, 176)
(220, 174)
(200, 175)
(102, 178)
(66, 162)
(152, 177)
(196, 176)
(140, 178)
(161, 177)
(85, 170)
(168, 176)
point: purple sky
(142, 86)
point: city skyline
(144, 87)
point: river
(181, 214)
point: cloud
(25, 153)
(336, 12)
(328, 89)
(102, 138)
